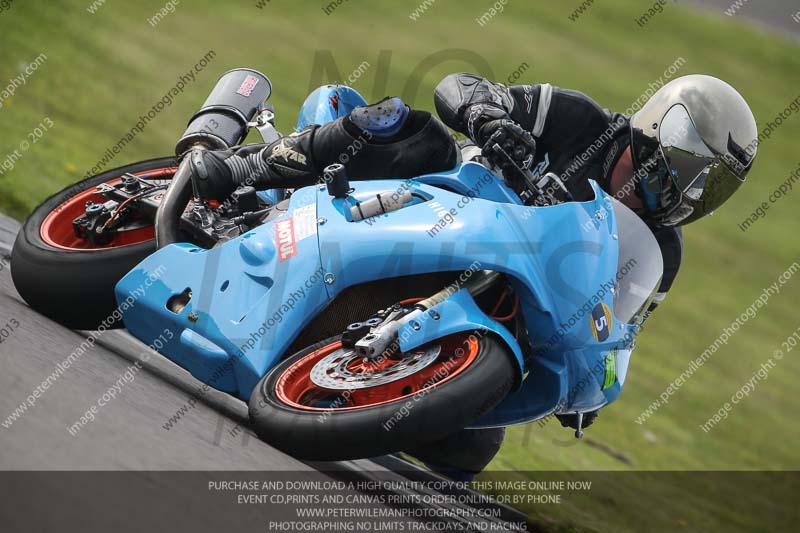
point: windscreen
(639, 268)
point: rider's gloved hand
(571, 420)
(515, 141)
(212, 178)
(488, 124)
(476, 116)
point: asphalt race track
(128, 435)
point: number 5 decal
(601, 322)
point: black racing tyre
(292, 412)
(69, 280)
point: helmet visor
(686, 155)
(674, 168)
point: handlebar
(541, 188)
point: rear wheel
(325, 403)
(67, 278)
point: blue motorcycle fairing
(251, 296)
(554, 248)
(573, 385)
(244, 294)
(472, 180)
(272, 196)
(469, 179)
(557, 258)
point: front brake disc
(335, 370)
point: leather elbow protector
(457, 92)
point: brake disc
(333, 371)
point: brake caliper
(90, 226)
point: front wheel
(69, 279)
(325, 403)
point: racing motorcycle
(358, 318)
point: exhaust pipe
(221, 123)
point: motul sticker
(247, 86)
(284, 238)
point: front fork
(451, 310)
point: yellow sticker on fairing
(601, 322)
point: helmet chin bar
(672, 206)
(670, 213)
(658, 184)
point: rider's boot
(386, 139)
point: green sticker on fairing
(611, 369)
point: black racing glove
(487, 125)
(515, 141)
(476, 116)
(571, 420)
(212, 178)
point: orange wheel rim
(296, 388)
(57, 231)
